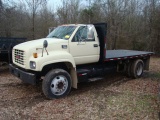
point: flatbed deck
(124, 54)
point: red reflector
(80, 75)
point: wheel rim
(59, 85)
(139, 69)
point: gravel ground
(114, 98)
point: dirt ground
(114, 98)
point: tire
(137, 68)
(128, 69)
(56, 84)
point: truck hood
(39, 43)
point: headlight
(32, 64)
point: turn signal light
(35, 55)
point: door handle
(95, 45)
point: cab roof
(75, 24)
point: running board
(95, 79)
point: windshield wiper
(55, 36)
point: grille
(19, 56)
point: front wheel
(56, 84)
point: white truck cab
(74, 43)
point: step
(95, 79)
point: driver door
(83, 47)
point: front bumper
(26, 77)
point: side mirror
(45, 44)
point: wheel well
(122, 65)
(145, 60)
(61, 65)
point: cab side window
(84, 34)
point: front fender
(56, 57)
(53, 57)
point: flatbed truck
(71, 54)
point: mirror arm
(42, 51)
(46, 51)
(45, 44)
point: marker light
(35, 55)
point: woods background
(132, 24)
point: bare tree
(45, 19)
(132, 24)
(33, 7)
(69, 11)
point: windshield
(62, 32)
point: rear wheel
(56, 84)
(128, 69)
(137, 68)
